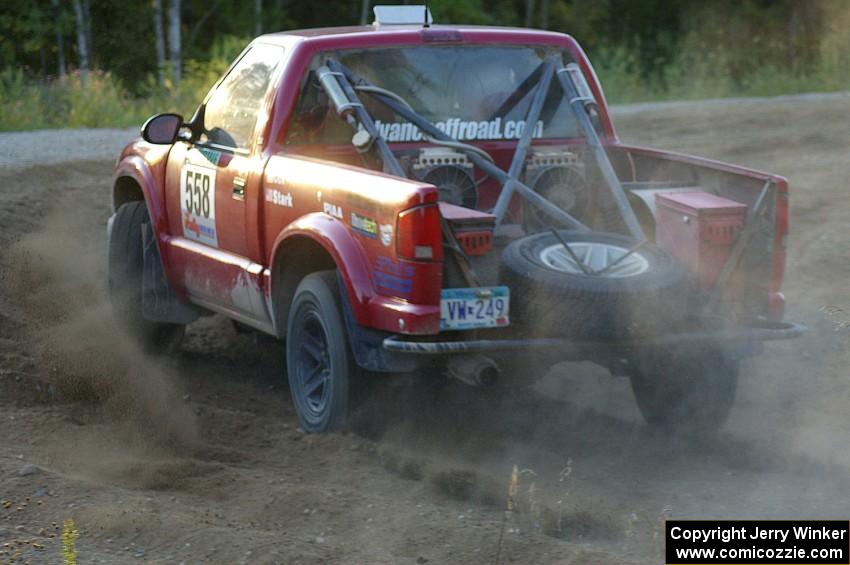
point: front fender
(150, 177)
(140, 171)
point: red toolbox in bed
(699, 228)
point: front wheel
(125, 271)
(690, 393)
(318, 359)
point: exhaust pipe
(474, 370)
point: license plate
(470, 308)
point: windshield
(471, 92)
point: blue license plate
(471, 308)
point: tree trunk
(364, 13)
(529, 13)
(258, 17)
(60, 43)
(82, 45)
(87, 20)
(160, 41)
(174, 40)
(544, 15)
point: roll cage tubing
(350, 83)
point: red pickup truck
(449, 201)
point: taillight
(419, 236)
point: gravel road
(53, 146)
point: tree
(529, 13)
(364, 13)
(60, 43)
(82, 43)
(174, 40)
(160, 41)
(258, 17)
(87, 21)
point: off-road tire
(318, 355)
(556, 303)
(689, 393)
(125, 268)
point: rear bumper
(742, 337)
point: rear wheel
(691, 393)
(318, 358)
(125, 270)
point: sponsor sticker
(197, 203)
(394, 278)
(210, 155)
(364, 225)
(386, 234)
(274, 177)
(279, 198)
(464, 130)
(332, 209)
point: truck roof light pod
(402, 16)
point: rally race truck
(446, 201)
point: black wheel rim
(313, 367)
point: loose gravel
(50, 147)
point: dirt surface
(50, 147)
(197, 458)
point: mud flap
(159, 302)
(367, 345)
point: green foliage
(28, 104)
(748, 52)
(462, 12)
(642, 50)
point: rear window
(472, 92)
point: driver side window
(234, 107)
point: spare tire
(619, 297)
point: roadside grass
(32, 105)
(700, 69)
(28, 104)
(695, 75)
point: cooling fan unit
(451, 172)
(559, 178)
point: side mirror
(196, 124)
(162, 129)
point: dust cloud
(56, 276)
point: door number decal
(197, 203)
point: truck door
(213, 183)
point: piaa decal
(332, 209)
